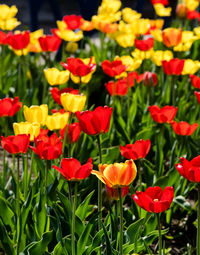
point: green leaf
(108, 245)
(6, 213)
(181, 201)
(133, 229)
(41, 213)
(82, 209)
(162, 181)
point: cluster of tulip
(141, 76)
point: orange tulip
(181, 10)
(171, 36)
(117, 175)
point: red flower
(113, 68)
(3, 38)
(191, 15)
(195, 80)
(197, 94)
(18, 41)
(49, 42)
(56, 93)
(150, 79)
(114, 193)
(164, 2)
(73, 21)
(132, 76)
(8, 106)
(173, 66)
(137, 150)
(72, 170)
(95, 122)
(154, 199)
(184, 128)
(189, 169)
(48, 147)
(162, 115)
(77, 67)
(15, 144)
(73, 132)
(144, 45)
(118, 88)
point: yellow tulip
(124, 39)
(34, 45)
(159, 55)
(83, 79)
(192, 4)
(27, 128)
(140, 26)
(161, 10)
(22, 52)
(188, 36)
(61, 25)
(7, 12)
(190, 66)
(157, 34)
(129, 15)
(9, 24)
(183, 46)
(130, 63)
(109, 6)
(157, 23)
(138, 54)
(69, 35)
(73, 103)
(56, 77)
(72, 47)
(57, 120)
(197, 31)
(36, 113)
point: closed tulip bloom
(57, 120)
(49, 42)
(165, 114)
(144, 45)
(113, 68)
(36, 113)
(47, 147)
(72, 169)
(95, 122)
(72, 103)
(33, 129)
(189, 169)
(195, 80)
(71, 47)
(56, 93)
(181, 10)
(56, 77)
(117, 175)
(137, 150)
(73, 22)
(150, 79)
(184, 128)
(18, 41)
(190, 67)
(113, 194)
(171, 36)
(173, 66)
(118, 88)
(9, 107)
(73, 132)
(15, 144)
(197, 94)
(154, 199)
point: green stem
(46, 176)
(18, 203)
(99, 187)
(173, 91)
(73, 219)
(121, 223)
(31, 169)
(159, 231)
(65, 137)
(198, 220)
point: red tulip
(164, 2)
(18, 41)
(77, 67)
(3, 38)
(184, 128)
(150, 79)
(49, 42)
(8, 106)
(137, 150)
(113, 194)
(113, 68)
(73, 132)
(191, 15)
(173, 66)
(48, 147)
(144, 45)
(189, 169)
(15, 144)
(163, 115)
(56, 93)
(195, 80)
(95, 122)
(73, 21)
(132, 76)
(197, 94)
(118, 88)
(154, 199)
(72, 170)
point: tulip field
(100, 143)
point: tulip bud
(150, 79)
(181, 10)
(72, 47)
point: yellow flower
(9, 24)
(107, 18)
(129, 62)
(188, 36)
(140, 26)
(124, 39)
(36, 113)
(23, 52)
(56, 77)
(57, 120)
(73, 103)
(157, 34)
(197, 31)
(61, 25)
(190, 66)
(161, 10)
(159, 55)
(183, 46)
(192, 4)
(142, 54)
(83, 79)
(34, 45)
(7, 12)
(27, 128)
(129, 15)
(69, 35)
(72, 47)
(109, 6)
(157, 23)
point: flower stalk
(121, 223)
(73, 218)
(198, 220)
(99, 187)
(159, 232)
